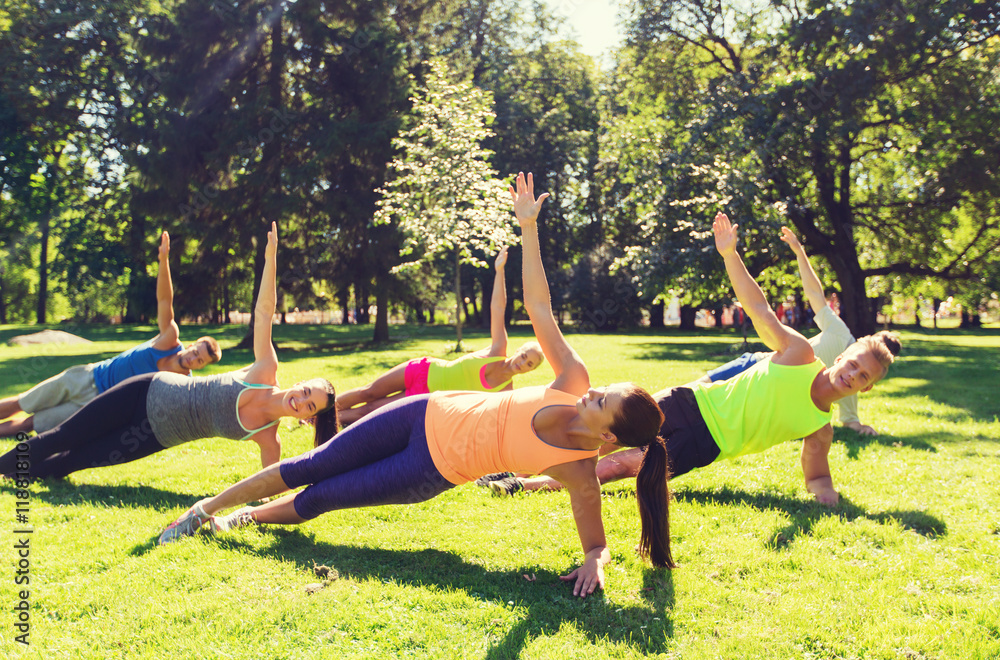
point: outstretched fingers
(501, 259)
(272, 241)
(725, 234)
(526, 207)
(788, 236)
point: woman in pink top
(420, 446)
(491, 371)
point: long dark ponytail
(638, 425)
(327, 421)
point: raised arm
(169, 333)
(571, 373)
(265, 366)
(498, 306)
(790, 347)
(811, 285)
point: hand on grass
(588, 577)
(862, 429)
(824, 492)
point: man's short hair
(885, 346)
(212, 348)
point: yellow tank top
(470, 434)
(462, 374)
(766, 404)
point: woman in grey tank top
(149, 413)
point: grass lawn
(907, 566)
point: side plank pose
(486, 370)
(150, 413)
(782, 398)
(833, 339)
(421, 446)
(51, 402)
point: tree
(866, 126)
(443, 195)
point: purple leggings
(380, 459)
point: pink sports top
(470, 434)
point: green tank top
(461, 374)
(765, 405)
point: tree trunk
(226, 303)
(458, 302)
(381, 310)
(717, 313)
(476, 311)
(271, 165)
(855, 307)
(486, 284)
(656, 311)
(43, 270)
(3, 304)
(361, 302)
(343, 300)
(688, 314)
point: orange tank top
(470, 434)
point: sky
(593, 23)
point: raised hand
(725, 235)
(164, 245)
(793, 241)
(272, 242)
(501, 259)
(526, 207)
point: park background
(869, 127)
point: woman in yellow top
(486, 370)
(418, 447)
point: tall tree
(865, 124)
(443, 194)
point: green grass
(906, 567)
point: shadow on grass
(696, 350)
(854, 443)
(805, 514)
(62, 492)
(548, 600)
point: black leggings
(110, 430)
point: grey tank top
(182, 408)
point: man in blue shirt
(53, 401)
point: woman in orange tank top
(414, 449)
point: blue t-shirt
(135, 361)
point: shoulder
(581, 471)
(798, 351)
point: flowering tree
(442, 192)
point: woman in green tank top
(487, 370)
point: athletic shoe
(506, 487)
(496, 476)
(238, 518)
(186, 525)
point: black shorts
(689, 442)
